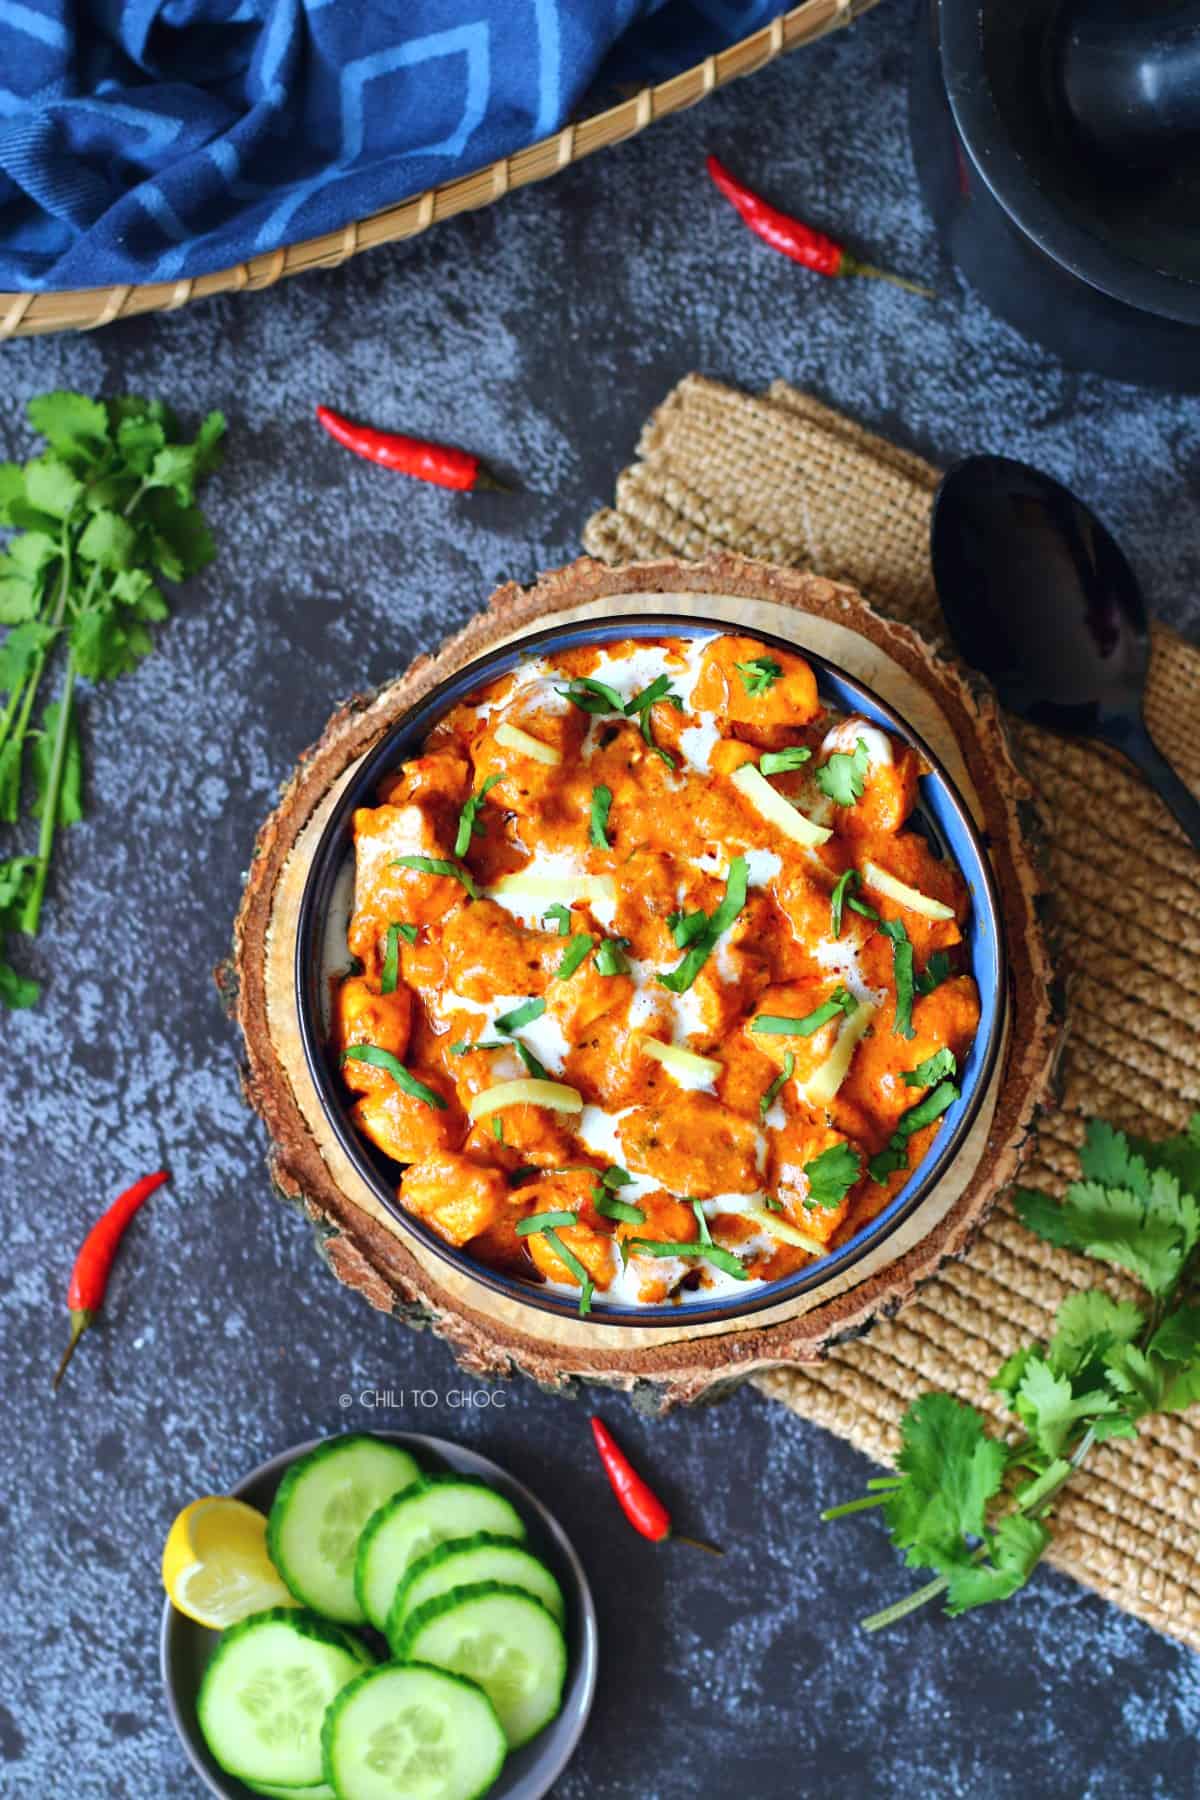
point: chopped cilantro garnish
(702, 1222)
(601, 802)
(533, 1066)
(895, 1156)
(773, 1025)
(831, 1176)
(498, 1128)
(686, 926)
(759, 674)
(389, 975)
(902, 969)
(574, 954)
(525, 1014)
(437, 865)
(592, 696)
(736, 885)
(383, 1059)
(838, 897)
(934, 1069)
(936, 970)
(545, 1221)
(864, 907)
(723, 1259)
(561, 916)
(778, 762)
(570, 1261)
(469, 823)
(611, 958)
(617, 1209)
(843, 777)
(777, 1086)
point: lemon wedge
(215, 1565)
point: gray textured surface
(540, 332)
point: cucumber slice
(412, 1731)
(263, 1696)
(323, 1503)
(411, 1524)
(504, 1639)
(464, 1561)
(322, 1791)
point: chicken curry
(655, 995)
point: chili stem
(697, 1543)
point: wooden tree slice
(490, 1334)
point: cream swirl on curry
(657, 996)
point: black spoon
(1039, 596)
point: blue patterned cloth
(144, 140)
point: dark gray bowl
(530, 1772)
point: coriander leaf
(592, 696)
(532, 1065)
(16, 991)
(20, 650)
(51, 487)
(848, 879)
(19, 596)
(134, 589)
(777, 1025)
(611, 958)
(1086, 1326)
(759, 674)
(902, 969)
(601, 802)
(1177, 1339)
(561, 916)
(932, 1070)
(383, 1059)
(70, 793)
(1051, 1410)
(939, 1100)
(616, 1176)
(936, 970)
(1009, 1375)
(617, 1209)
(952, 1468)
(525, 1014)
(572, 1262)
(575, 953)
(713, 1253)
(1150, 1234)
(831, 1175)
(210, 446)
(1015, 1548)
(685, 927)
(180, 541)
(437, 865)
(469, 823)
(778, 762)
(843, 777)
(658, 689)
(886, 1161)
(12, 487)
(1106, 1156)
(32, 552)
(1179, 1155)
(109, 540)
(736, 887)
(538, 1222)
(389, 975)
(72, 423)
(776, 1088)
(139, 441)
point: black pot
(1090, 247)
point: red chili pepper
(89, 1277)
(437, 463)
(799, 241)
(640, 1504)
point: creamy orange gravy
(721, 1146)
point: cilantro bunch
(975, 1508)
(107, 507)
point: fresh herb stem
(32, 908)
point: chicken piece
(531, 1134)
(489, 953)
(406, 1128)
(693, 1144)
(667, 1221)
(766, 711)
(384, 891)
(796, 1000)
(908, 857)
(440, 780)
(459, 1196)
(527, 784)
(362, 1015)
(590, 1239)
(946, 1019)
(890, 785)
(585, 996)
(499, 1245)
(791, 1152)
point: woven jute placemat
(782, 477)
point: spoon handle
(1141, 749)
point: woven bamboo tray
(85, 309)
(685, 1361)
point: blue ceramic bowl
(321, 955)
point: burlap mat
(783, 477)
